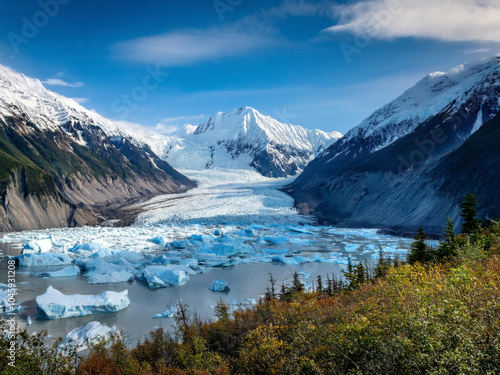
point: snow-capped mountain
(385, 172)
(245, 139)
(61, 164)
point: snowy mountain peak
(428, 97)
(47, 109)
(247, 139)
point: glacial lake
(233, 204)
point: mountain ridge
(380, 177)
(245, 139)
(62, 165)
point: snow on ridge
(427, 98)
(253, 126)
(22, 95)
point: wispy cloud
(476, 51)
(184, 47)
(57, 80)
(81, 100)
(446, 20)
(174, 124)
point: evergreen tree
(471, 225)
(419, 249)
(320, 284)
(448, 247)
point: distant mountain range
(412, 161)
(244, 139)
(63, 165)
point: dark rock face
(48, 179)
(418, 179)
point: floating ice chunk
(299, 230)
(225, 249)
(302, 260)
(168, 313)
(164, 276)
(205, 248)
(197, 237)
(277, 240)
(38, 246)
(43, 259)
(180, 244)
(90, 333)
(65, 272)
(91, 246)
(158, 240)
(319, 259)
(351, 247)
(189, 262)
(112, 277)
(219, 286)
(285, 260)
(103, 253)
(55, 305)
(8, 303)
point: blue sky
(165, 64)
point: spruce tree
(471, 225)
(419, 250)
(448, 247)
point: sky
(170, 64)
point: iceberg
(38, 246)
(43, 260)
(164, 276)
(55, 305)
(277, 240)
(110, 278)
(65, 272)
(90, 333)
(168, 313)
(285, 260)
(5, 307)
(219, 286)
(158, 240)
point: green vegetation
(438, 315)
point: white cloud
(447, 20)
(166, 129)
(61, 82)
(182, 118)
(190, 129)
(185, 47)
(81, 100)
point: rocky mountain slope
(61, 164)
(244, 139)
(412, 161)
